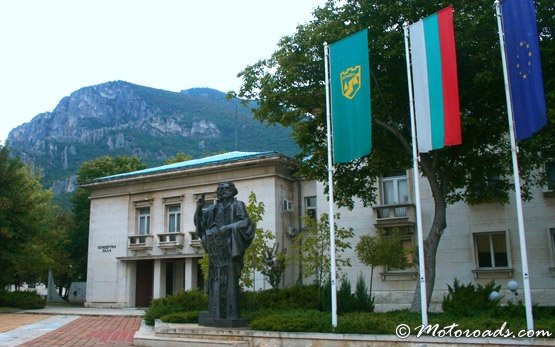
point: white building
(142, 243)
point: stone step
(146, 336)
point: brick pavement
(113, 331)
(9, 321)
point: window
(310, 207)
(143, 222)
(491, 250)
(394, 191)
(174, 218)
(550, 172)
(209, 198)
(395, 188)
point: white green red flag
(435, 81)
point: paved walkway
(10, 321)
(70, 326)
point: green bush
(181, 317)
(23, 300)
(295, 297)
(184, 301)
(294, 321)
(365, 323)
(363, 301)
(468, 300)
(347, 301)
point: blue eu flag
(523, 66)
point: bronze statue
(226, 232)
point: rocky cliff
(120, 118)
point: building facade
(142, 241)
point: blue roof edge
(193, 163)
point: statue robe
(225, 251)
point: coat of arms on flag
(350, 81)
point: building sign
(107, 248)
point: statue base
(205, 319)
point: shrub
(347, 302)
(345, 299)
(296, 297)
(294, 321)
(365, 323)
(181, 317)
(23, 300)
(468, 300)
(363, 301)
(184, 301)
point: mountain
(121, 118)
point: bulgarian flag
(435, 82)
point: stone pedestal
(205, 319)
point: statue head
(226, 190)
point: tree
(26, 223)
(289, 88)
(179, 157)
(81, 205)
(255, 255)
(275, 263)
(313, 245)
(381, 250)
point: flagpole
(516, 176)
(415, 159)
(331, 218)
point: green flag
(350, 98)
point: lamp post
(513, 287)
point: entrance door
(144, 283)
(169, 278)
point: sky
(49, 49)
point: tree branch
(406, 145)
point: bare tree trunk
(430, 250)
(439, 224)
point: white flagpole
(516, 175)
(415, 159)
(330, 186)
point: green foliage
(184, 301)
(275, 262)
(294, 321)
(181, 317)
(179, 157)
(386, 322)
(469, 300)
(295, 297)
(26, 223)
(363, 301)
(313, 244)
(106, 166)
(255, 255)
(347, 301)
(204, 263)
(381, 250)
(23, 300)
(365, 323)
